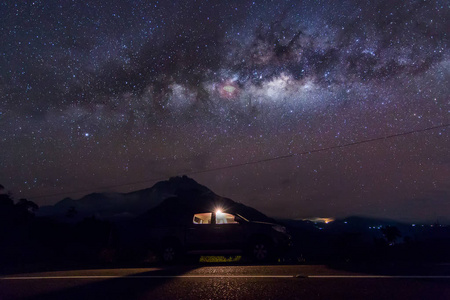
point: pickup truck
(220, 233)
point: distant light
(413, 225)
(317, 220)
(218, 211)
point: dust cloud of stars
(105, 93)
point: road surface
(232, 282)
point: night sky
(95, 95)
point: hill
(165, 197)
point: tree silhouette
(27, 205)
(391, 233)
(16, 223)
(6, 210)
(6, 202)
(71, 212)
(10, 213)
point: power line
(252, 162)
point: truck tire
(261, 251)
(170, 252)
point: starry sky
(101, 96)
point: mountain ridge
(115, 206)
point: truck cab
(222, 233)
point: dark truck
(220, 233)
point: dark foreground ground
(208, 281)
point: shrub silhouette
(391, 233)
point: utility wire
(252, 162)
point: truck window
(224, 218)
(203, 218)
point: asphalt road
(233, 282)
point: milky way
(115, 95)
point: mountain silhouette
(172, 210)
(165, 197)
